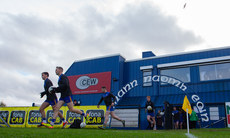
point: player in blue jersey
(149, 108)
(176, 117)
(109, 100)
(51, 99)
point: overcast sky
(38, 35)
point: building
(203, 73)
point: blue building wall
(114, 64)
(211, 92)
(132, 69)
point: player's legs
(181, 125)
(115, 116)
(55, 110)
(59, 113)
(153, 122)
(149, 119)
(176, 124)
(71, 109)
(153, 119)
(106, 118)
(64, 122)
(57, 107)
(69, 102)
(42, 109)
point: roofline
(99, 57)
(192, 62)
(181, 53)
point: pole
(187, 121)
(4, 121)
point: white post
(187, 121)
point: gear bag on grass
(76, 124)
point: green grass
(212, 133)
(44, 132)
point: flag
(186, 105)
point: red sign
(228, 116)
(90, 83)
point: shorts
(67, 99)
(151, 114)
(111, 108)
(181, 121)
(52, 103)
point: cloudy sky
(38, 35)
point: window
(147, 78)
(182, 74)
(214, 113)
(215, 72)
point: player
(66, 97)
(176, 117)
(109, 100)
(149, 107)
(51, 99)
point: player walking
(176, 117)
(66, 97)
(150, 109)
(51, 99)
(109, 100)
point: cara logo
(84, 82)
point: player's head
(148, 98)
(103, 89)
(174, 108)
(75, 101)
(45, 75)
(59, 70)
(159, 111)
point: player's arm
(48, 84)
(42, 94)
(98, 105)
(145, 107)
(114, 99)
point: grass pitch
(110, 133)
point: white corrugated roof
(181, 53)
(191, 62)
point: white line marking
(190, 135)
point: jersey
(108, 98)
(49, 96)
(176, 115)
(63, 86)
(149, 104)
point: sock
(83, 114)
(53, 121)
(44, 120)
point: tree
(2, 104)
